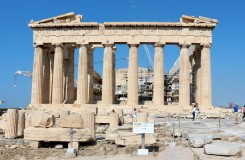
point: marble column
(158, 90)
(197, 70)
(133, 75)
(46, 76)
(90, 75)
(37, 77)
(184, 77)
(70, 97)
(114, 74)
(51, 62)
(206, 86)
(57, 93)
(107, 83)
(82, 88)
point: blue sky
(227, 53)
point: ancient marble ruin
(56, 38)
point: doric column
(37, 77)
(51, 62)
(90, 75)
(158, 91)
(70, 97)
(206, 86)
(184, 77)
(57, 93)
(133, 75)
(113, 73)
(46, 76)
(107, 83)
(197, 70)
(82, 88)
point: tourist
(243, 111)
(235, 110)
(194, 112)
(134, 114)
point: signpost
(143, 128)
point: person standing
(235, 110)
(194, 112)
(243, 111)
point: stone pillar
(57, 93)
(46, 76)
(37, 77)
(70, 97)
(107, 83)
(133, 75)
(51, 62)
(184, 77)
(82, 88)
(206, 86)
(11, 124)
(89, 122)
(21, 123)
(158, 90)
(114, 74)
(197, 59)
(90, 75)
(114, 120)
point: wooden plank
(57, 134)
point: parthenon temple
(56, 38)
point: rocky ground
(226, 132)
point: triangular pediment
(200, 19)
(64, 18)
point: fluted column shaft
(57, 94)
(158, 91)
(90, 75)
(46, 76)
(82, 96)
(70, 97)
(184, 77)
(133, 75)
(197, 59)
(51, 62)
(37, 78)
(107, 83)
(206, 85)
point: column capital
(58, 44)
(83, 45)
(206, 45)
(37, 45)
(184, 45)
(108, 45)
(133, 45)
(159, 44)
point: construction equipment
(148, 56)
(22, 73)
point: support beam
(206, 85)
(57, 94)
(82, 94)
(46, 76)
(184, 77)
(70, 97)
(90, 75)
(158, 90)
(37, 79)
(133, 75)
(107, 83)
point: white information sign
(141, 127)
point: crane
(22, 73)
(148, 55)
